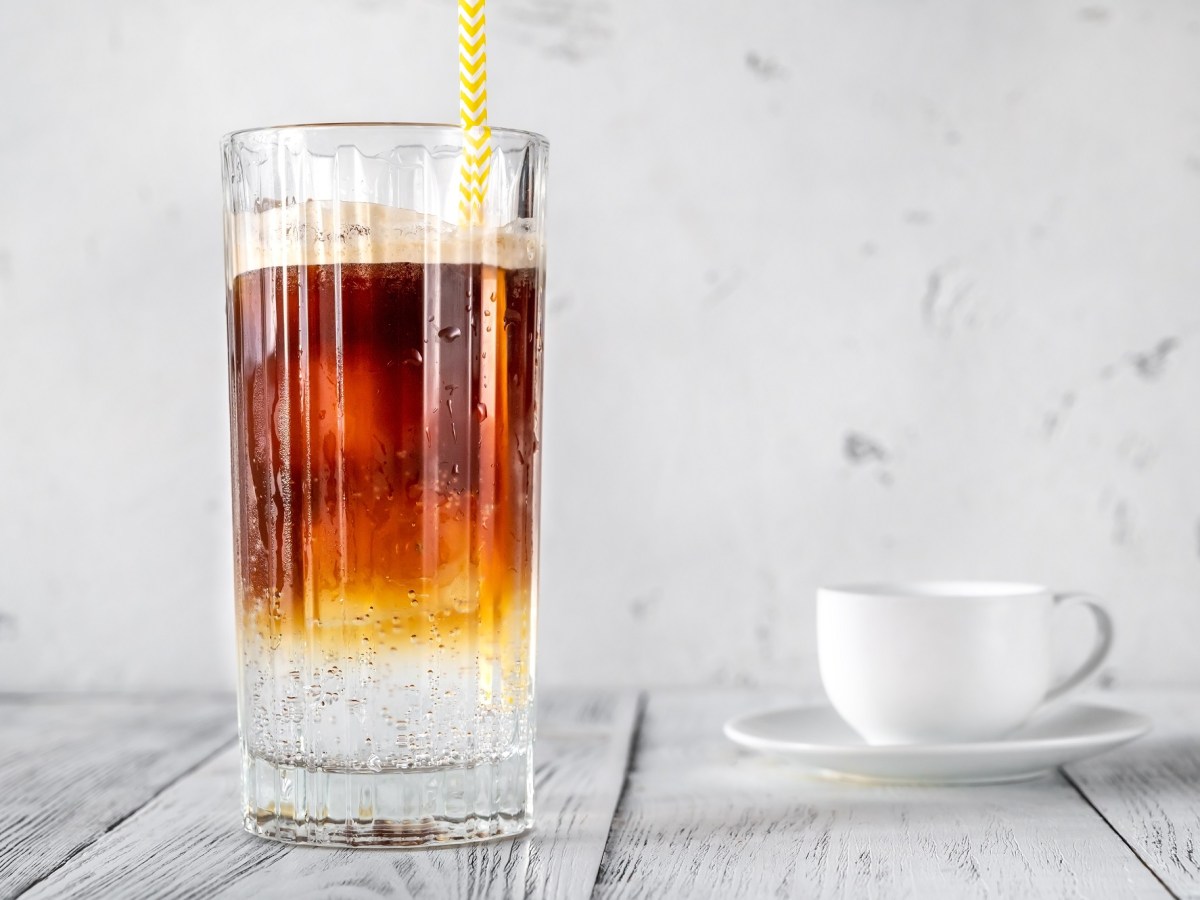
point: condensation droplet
(450, 333)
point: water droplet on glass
(413, 358)
(450, 333)
(480, 411)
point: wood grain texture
(188, 842)
(1149, 791)
(72, 766)
(701, 818)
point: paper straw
(472, 110)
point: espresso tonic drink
(385, 373)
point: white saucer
(818, 738)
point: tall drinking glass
(385, 368)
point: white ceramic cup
(952, 661)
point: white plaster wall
(839, 289)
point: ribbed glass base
(397, 808)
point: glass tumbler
(385, 369)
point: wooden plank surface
(1149, 791)
(701, 818)
(188, 842)
(72, 766)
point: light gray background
(838, 290)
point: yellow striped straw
(472, 110)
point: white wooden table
(638, 796)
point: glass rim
(500, 132)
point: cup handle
(1104, 640)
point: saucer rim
(1139, 726)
